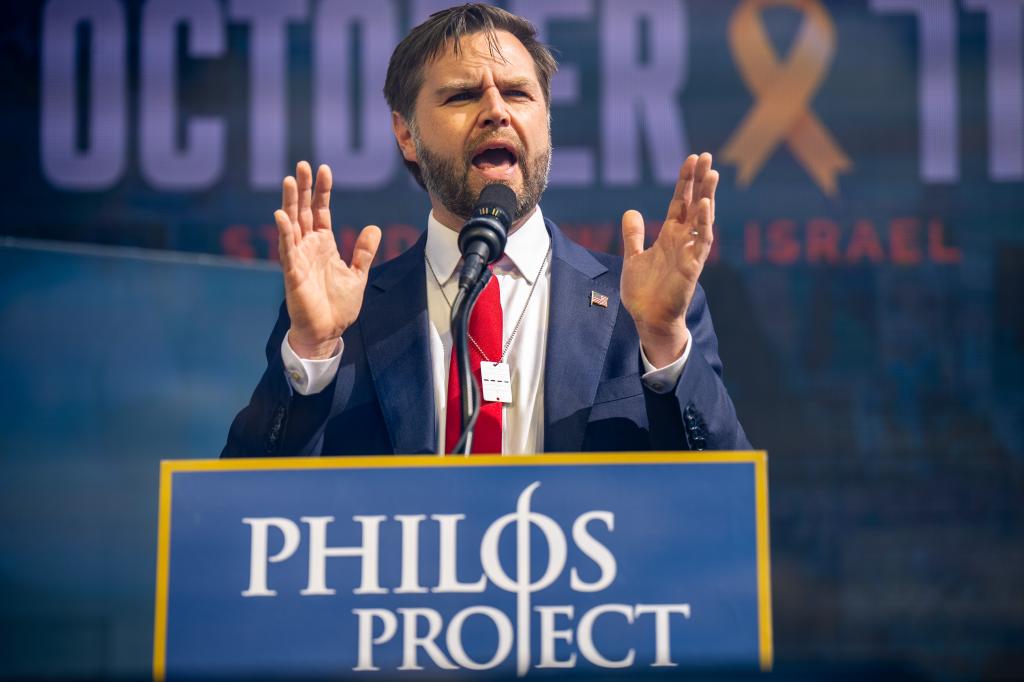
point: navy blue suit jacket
(382, 400)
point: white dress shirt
(518, 272)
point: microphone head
(497, 201)
(488, 226)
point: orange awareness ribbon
(783, 92)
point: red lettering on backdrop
(607, 237)
(937, 250)
(269, 233)
(573, 231)
(581, 234)
(345, 238)
(903, 247)
(822, 241)
(653, 230)
(593, 236)
(598, 236)
(604, 237)
(235, 241)
(397, 238)
(783, 246)
(781, 242)
(752, 241)
(864, 244)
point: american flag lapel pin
(598, 299)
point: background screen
(866, 294)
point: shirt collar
(524, 251)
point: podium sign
(452, 566)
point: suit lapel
(578, 337)
(394, 322)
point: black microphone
(482, 239)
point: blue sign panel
(379, 566)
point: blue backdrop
(866, 295)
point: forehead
(477, 59)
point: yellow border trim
(764, 576)
(163, 562)
(170, 467)
(421, 461)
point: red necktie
(486, 328)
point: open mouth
(495, 159)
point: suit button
(276, 422)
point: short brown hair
(426, 41)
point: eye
(464, 96)
(517, 94)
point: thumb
(365, 248)
(632, 233)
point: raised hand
(658, 283)
(322, 293)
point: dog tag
(496, 381)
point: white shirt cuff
(309, 377)
(663, 380)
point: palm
(672, 265)
(323, 293)
(658, 283)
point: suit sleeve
(278, 421)
(698, 414)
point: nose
(494, 110)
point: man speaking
(590, 352)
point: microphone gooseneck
(481, 241)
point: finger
(365, 249)
(708, 189)
(322, 198)
(703, 166)
(290, 199)
(285, 237)
(689, 167)
(304, 179)
(632, 233)
(683, 194)
(704, 234)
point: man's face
(480, 119)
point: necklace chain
(519, 322)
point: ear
(403, 135)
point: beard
(448, 180)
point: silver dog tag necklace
(496, 377)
